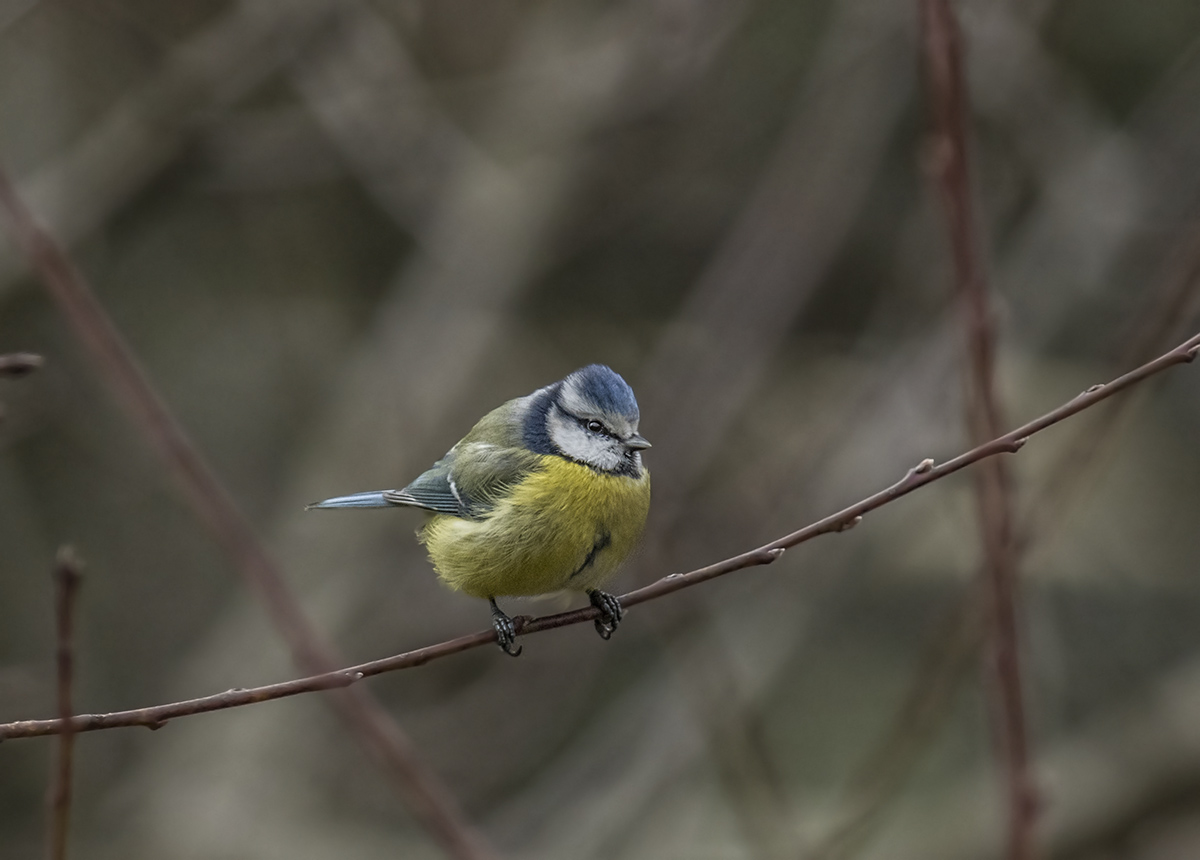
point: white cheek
(580, 445)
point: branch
(386, 743)
(1167, 316)
(923, 473)
(67, 576)
(947, 91)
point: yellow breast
(564, 526)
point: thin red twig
(948, 98)
(923, 473)
(67, 576)
(420, 787)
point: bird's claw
(610, 613)
(506, 632)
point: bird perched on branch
(546, 493)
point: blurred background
(336, 233)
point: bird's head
(593, 419)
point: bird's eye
(595, 426)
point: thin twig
(19, 363)
(67, 576)
(761, 279)
(420, 787)
(945, 77)
(1168, 314)
(925, 472)
(942, 668)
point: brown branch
(387, 744)
(19, 363)
(941, 671)
(67, 576)
(942, 668)
(923, 473)
(947, 92)
(1167, 316)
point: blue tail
(373, 499)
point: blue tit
(546, 493)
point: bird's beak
(637, 442)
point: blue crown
(606, 389)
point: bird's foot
(610, 612)
(506, 631)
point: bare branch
(947, 92)
(420, 787)
(67, 576)
(925, 472)
(1169, 313)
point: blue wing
(435, 490)
(468, 480)
(465, 483)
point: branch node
(154, 725)
(1191, 354)
(921, 468)
(675, 575)
(772, 554)
(1092, 389)
(848, 524)
(1016, 445)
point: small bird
(546, 493)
